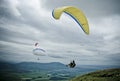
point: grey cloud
(113, 59)
(11, 36)
(53, 56)
(92, 8)
(54, 36)
(6, 10)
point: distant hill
(32, 66)
(40, 66)
(103, 75)
(52, 68)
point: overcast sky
(25, 22)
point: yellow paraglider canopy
(75, 13)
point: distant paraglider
(38, 51)
(75, 13)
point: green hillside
(103, 75)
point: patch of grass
(103, 75)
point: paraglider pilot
(72, 64)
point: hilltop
(102, 75)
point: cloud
(53, 56)
(91, 8)
(23, 23)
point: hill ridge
(100, 75)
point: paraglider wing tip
(87, 33)
(53, 13)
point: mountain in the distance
(40, 66)
(53, 67)
(32, 66)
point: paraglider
(75, 13)
(72, 64)
(38, 51)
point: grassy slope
(103, 75)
